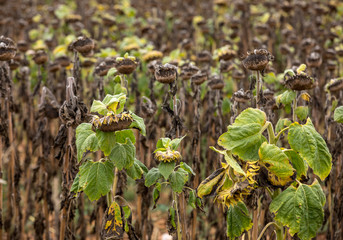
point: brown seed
(7, 49)
(188, 70)
(314, 60)
(335, 85)
(23, 46)
(112, 123)
(63, 60)
(83, 45)
(257, 60)
(54, 67)
(165, 73)
(299, 82)
(40, 57)
(241, 96)
(216, 83)
(204, 57)
(126, 66)
(199, 77)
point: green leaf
(300, 209)
(178, 179)
(135, 171)
(76, 187)
(143, 167)
(99, 107)
(172, 217)
(115, 102)
(111, 72)
(127, 217)
(138, 122)
(192, 199)
(244, 136)
(286, 97)
(123, 134)
(166, 168)
(237, 220)
(229, 160)
(118, 89)
(98, 179)
(281, 124)
(305, 140)
(123, 155)
(301, 112)
(174, 144)
(83, 174)
(298, 163)
(277, 163)
(107, 140)
(187, 168)
(269, 78)
(338, 114)
(85, 139)
(156, 194)
(160, 149)
(163, 143)
(152, 176)
(289, 72)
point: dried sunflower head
(257, 60)
(168, 156)
(112, 123)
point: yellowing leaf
(305, 96)
(61, 49)
(301, 68)
(113, 224)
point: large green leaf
(123, 154)
(178, 179)
(286, 97)
(300, 209)
(99, 107)
(98, 179)
(152, 176)
(244, 136)
(135, 171)
(85, 139)
(298, 163)
(138, 123)
(187, 168)
(166, 168)
(83, 174)
(302, 112)
(229, 160)
(76, 184)
(163, 143)
(277, 163)
(174, 144)
(238, 220)
(123, 134)
(305, 140)
(338, 114)
(115, 103)
(107, 140)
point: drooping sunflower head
(168, 156)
